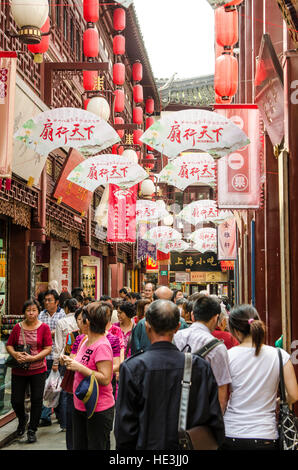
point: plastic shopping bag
(52, 390)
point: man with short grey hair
(148, 400)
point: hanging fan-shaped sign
(175, 245)
(161, 234)
(204, 211)
(205, 239)
(67, 127)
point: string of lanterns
(226, 64)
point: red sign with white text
(122, 214)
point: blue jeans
(60, 410)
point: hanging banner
(204, 210)
(145, 248)
(70, 193)
(205, 239)
(122, 214)
(189, 169)
(227, 240)
(8, 64)
(67, 127)
(239, 174)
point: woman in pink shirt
(95, 356)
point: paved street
(49, 438)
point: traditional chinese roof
(191, 92)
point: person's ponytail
(257, 330)
(246, 320)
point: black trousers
(93, 433)
(18, 389)
(231, 443)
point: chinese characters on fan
(201, 134)
(207, 170)
(117, 171)
(69, 131)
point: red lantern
(90, 80)
(119, 120)
(137, 71)
(226, 76)
(137, 134)
(119, 102)
(261, 73)
(150, 106)
(119, 44)
(149, 122)
(149, 156)
(137, 115)
(138, 94)
(43, 46)
(86, 103)
(114, 149)
(120, 150)
(232, 5)
(119, 19)
(119, 73)
(226, 27)
(91, 42)
(91, 11)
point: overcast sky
(178, 35)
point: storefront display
(91, 276)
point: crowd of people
(122, 362)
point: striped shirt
(51, 321)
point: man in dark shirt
(147, 407)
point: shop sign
(70, 193)
(163, 273)
(61, 265)
(8, 64)
(151, 264)
(227, 240)
(194, 262)
(216, 277)
(239, 174)
(182, 277)
(198, 277)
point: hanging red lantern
(226, 76)
(149, 105)
(119, 102)
(90, 78)
(119, 73)
(226, 27)
(91, 42)
(137, 115)
(42, 47)
(120, 150)
(149, 156)
(261, 73)
(119, 19)
(119, 120)
(114, 149)
(138, 94)
(137, 71)
(232, 5)
(86, 102)
(137, 134)
(91, 11)
(149, 122)
(119, 44)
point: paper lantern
(119, 120)
(119, 19)
(137, 71)
(119, 101)
(99, 106)
(119, 44)
(137, 134)
(137, 115)
(149, 122)
(232, 5)
(131, 154)
(169, 220)
(149, 106)
(90, 80)
(91, 42)
(119, 73)
(147, 187)
(226, 76)
(138, 94)
(86, 103)
(30, 17)
(42, 47)
(226, 27)
(91, 10)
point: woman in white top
(250, 419)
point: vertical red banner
(122, 214)
(8, 64)
(239, 174)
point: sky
(178, 36)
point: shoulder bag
(11, 361)
(199, 437)
(287, 423)
(68, 377)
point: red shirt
(38, 340)
(227, 338)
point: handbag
(198, 437)
(12, 362)
(287, 423)
(68, 378)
